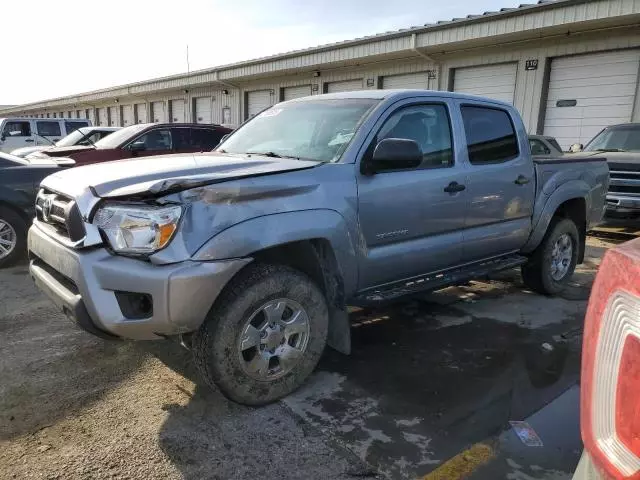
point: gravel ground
(73, 406)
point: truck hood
(66, 151)
(156, 175)
(616, 160)
(24, 151)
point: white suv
(28, 132)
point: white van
(16, 132)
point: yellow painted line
(463, 464)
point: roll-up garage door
(102, 116)
(492, 81)
(588, 93)
(258, 101)
(127, 115)
(141, 113)
(158, 114)
(345, 86)
(409, 80)
(114, 121)
(296, 92)
(177, 111)
(203, 110)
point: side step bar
(435, 281)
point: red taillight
(610, 398)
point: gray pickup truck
(251, 254)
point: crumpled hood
(166, 173)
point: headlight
(137, 229)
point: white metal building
(570, 66)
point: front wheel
(552, 264)
(264, 336)
(13, 237)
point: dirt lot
(429, 378)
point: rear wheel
(552, 264)
(264, 336)
(13, 237)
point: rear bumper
(83, 284)
(623, 203)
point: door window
(17, 129)
(48, 129)
(205, 139)
(181, 138)
(491, 137)
(429, 127)
(538, 148)
(155, 140)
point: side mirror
(224, 137)
(395, 154)
(3, 138)
(137, 147)
(576, 147)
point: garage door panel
(178, 111)
(493, 81)
(419, 80)
(158, 110)
(204, 110)
(257, 101)
(344, 86)
(127, 115)
(296, 92)
(141, 112)
(603, 85)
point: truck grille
(60, 213)
(624, 182)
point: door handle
(28, 140)
(522, 180)
(454, 187)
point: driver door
(16, 134)
(412, 220)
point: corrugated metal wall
(529, 90)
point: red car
(610, 386)
(146, 139)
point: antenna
(188, 71)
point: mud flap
(339, 336)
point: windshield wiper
(609, 150)
(266, 154)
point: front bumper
(623, 204)
(83, 284)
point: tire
(538, 273)
(226, 361)
(12, 229)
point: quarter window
(429, 127)
(48, 129)
(73, 126)
(17, 129)
(491, 137)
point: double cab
(251, 254)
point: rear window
(491, 137)
(205, 139)
(48, 129)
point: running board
(436, 281)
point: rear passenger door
(500, 182)
(412, 220)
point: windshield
(317, 130)
(117, 138)
(71, 139)
(625, 138)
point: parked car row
(82, 136)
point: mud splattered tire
(264, 335)
(13, 237)
(552, 264)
